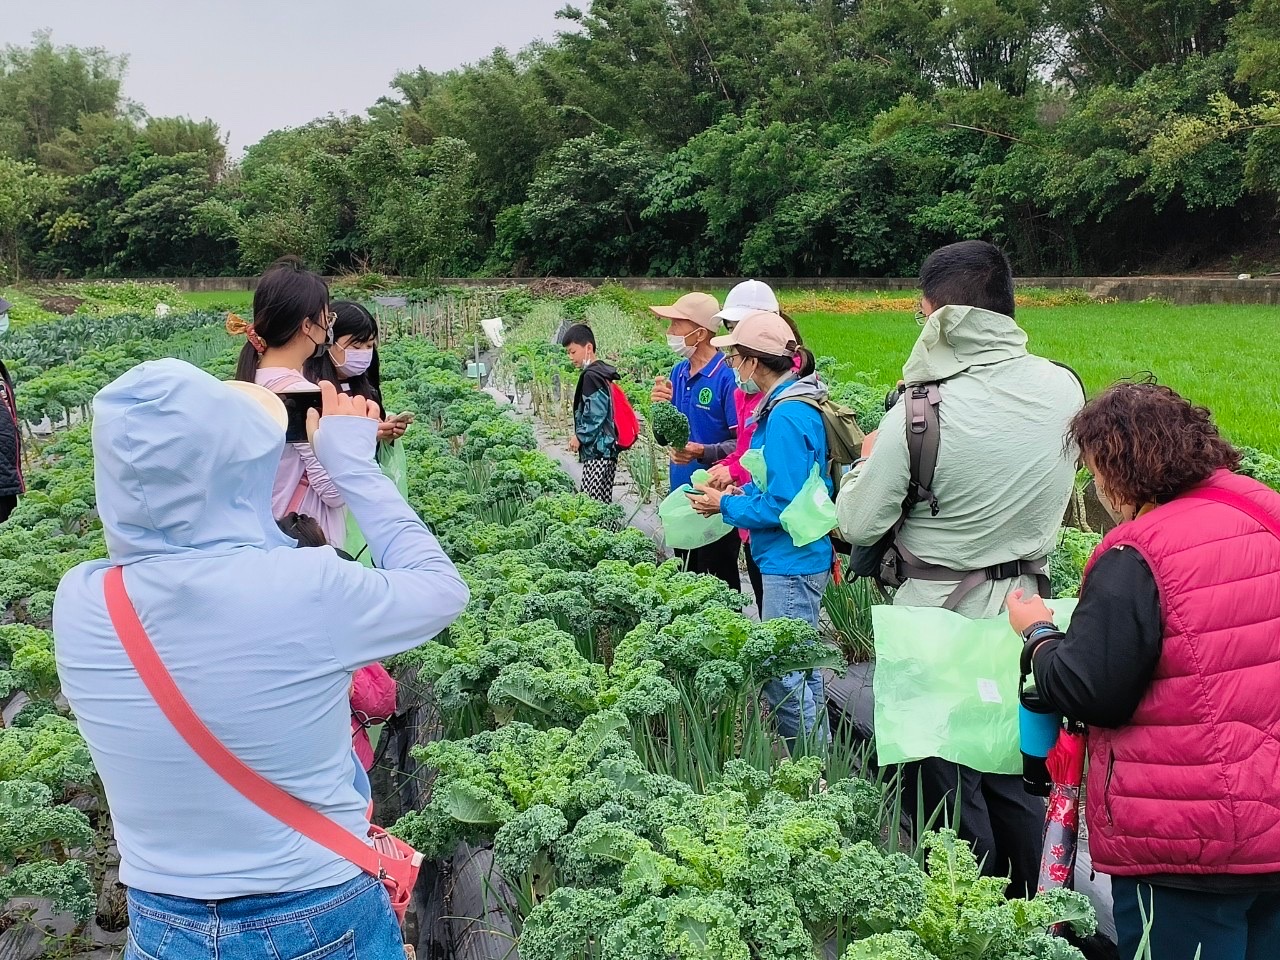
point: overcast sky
(259, 65)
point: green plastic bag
(811, 515)
(753, 462)
(683, 527)
(392, 462)
(947, 686)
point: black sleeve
(1100, 670)
(713, 453)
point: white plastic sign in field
(492, 328)
(947, 686)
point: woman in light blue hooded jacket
(262, 639)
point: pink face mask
(799, 362)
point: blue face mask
(748, 387)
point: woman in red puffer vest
(1173, 660)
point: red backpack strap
(254, 787)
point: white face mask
(1114, 512)
(357, 362)
(678, 344)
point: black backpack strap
(922, 401)
(912, 567)
(1083, 392)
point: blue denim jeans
(797, 695)
(1196, 923)
(352, 921)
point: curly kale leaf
(898, 945)
(966, 916)
(66, 883)
(670, 426)
(37, 840)
(521, 840)
(50, 751)
(567, 922)
(484, 781)
(571, 508)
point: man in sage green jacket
(1003, 479)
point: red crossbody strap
(1240, 502)
(252, 785)
(299, 492)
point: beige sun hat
(699, 308)
(765, 332)
(269, 402)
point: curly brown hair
(1148, 443)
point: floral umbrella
(1062, 825)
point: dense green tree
(497, 108)
(1256, 31)
(22, 188)
(584, 211)
(693, 137)
(45, 90)
(1110, 41)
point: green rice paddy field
(1224, 357)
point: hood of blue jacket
(183, 464)
(810, 387)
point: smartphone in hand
(296, 406)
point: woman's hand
(574, 444)
(335, 404)
(707, 500)
(721, 478)
(662, 392)
(1024, 610)
(690, 452)
(390, 431)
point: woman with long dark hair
(1172, 659)
(352, 363)
(292, 326)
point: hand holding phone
(298, 406)
(305, 408)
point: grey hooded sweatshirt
(1004, 474)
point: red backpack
(625, 422)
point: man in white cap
(750, 296)
(701, 387)
(725, 459)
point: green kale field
(599, 723)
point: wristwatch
(1039, 625)
(1035, 635)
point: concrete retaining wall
(1179, 290)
